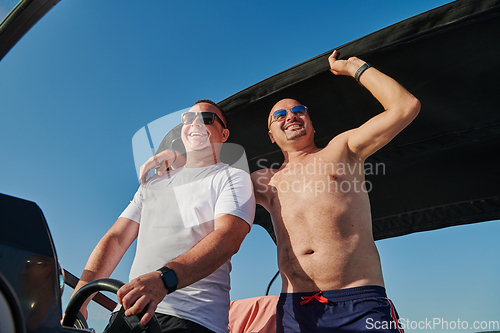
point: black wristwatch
(169, 279)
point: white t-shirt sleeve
(236, 197)
(133, 210)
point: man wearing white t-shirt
(188, 223)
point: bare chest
(318, 178)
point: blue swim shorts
(359, 309)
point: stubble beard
(296, 134)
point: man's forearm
(102, 261)
(170, 157)
(400, 107)
(161, 161)
(385, 89)
(108, 252)
(96, 268)
(199, 262)
(209, 254)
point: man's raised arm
(400, 106)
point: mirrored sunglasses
(278, 115)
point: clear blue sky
(90, 74)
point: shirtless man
(329, 264)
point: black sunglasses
(207, 118)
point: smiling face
(290, 127)
(197, 136)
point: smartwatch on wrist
(169, 278)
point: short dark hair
(208, 101)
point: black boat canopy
(19, 19)
(442, 170)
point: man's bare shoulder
(338, 144)
(341, 139)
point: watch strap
(172, 286)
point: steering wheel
(119, 323)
